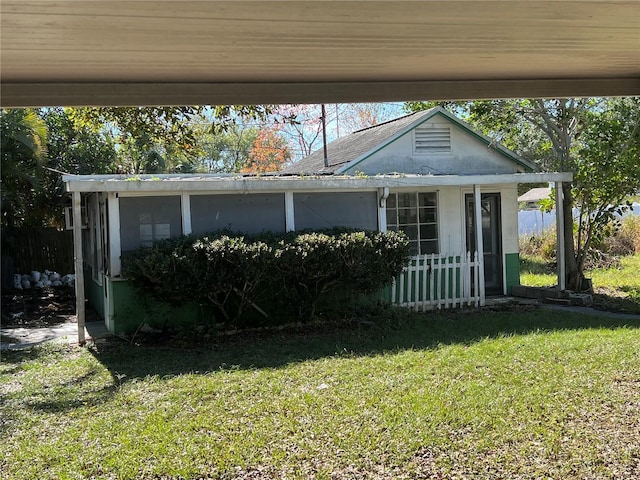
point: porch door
(491, 235)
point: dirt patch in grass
(40, 308)
(617, 300)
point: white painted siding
(468, 155)
(509, 220)
(452, 220)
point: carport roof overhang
(195, 52)
(149, 184)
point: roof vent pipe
(324, 136)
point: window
(154, 226)
(432, 140)
(416, 214)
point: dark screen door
(490, 208)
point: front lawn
(474, 394)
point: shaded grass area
(515, 394)
(616, 289)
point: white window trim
(438, 221)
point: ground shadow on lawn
(628, 302)
(395, 331)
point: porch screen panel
(246, 213)
(344, 209)
(144, 220)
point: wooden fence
(39, 249)
(438, 281)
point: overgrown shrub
(620, 237)
(157, 270)
(235, 273)
(313, 264)
(541, 245)
(626, 240)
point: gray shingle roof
(535, 194)
(350, 147)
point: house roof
(348, 151)
(182, 52)
(345, 149)
(535, 194)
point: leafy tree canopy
(175, 126)
(23, 151)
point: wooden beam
(52, 93)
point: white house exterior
(428, 174)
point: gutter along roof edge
(180, 183)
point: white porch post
(185, 203)
(289, 212)
(383, 194)
(560, 236)
(477, 214)
(114, 234)
(77, 254)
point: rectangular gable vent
(432, 139)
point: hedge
(268, 275)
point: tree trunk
(573, 276)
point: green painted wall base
(94, 292)
(512, 268)
(130, 310)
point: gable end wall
(469, 155)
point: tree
(23, 151)
(301, 125)
(303, 129)
(226, 151)
(565, 135)
(608, 170)
(349, 117)
(168, 139)
(269, 153)
(70, 150)
(165, 126)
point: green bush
(313, 264)
(267, 275)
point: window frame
(418, 242)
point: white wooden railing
(438, 281)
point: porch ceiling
(195, 52)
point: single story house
(428, 174)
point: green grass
(615, 288)
(537, 272)
(510, 394)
